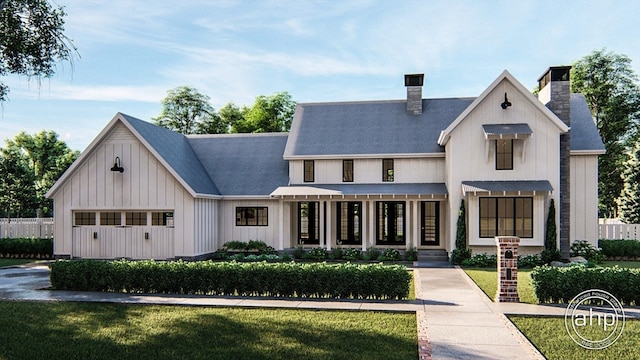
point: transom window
(136, 218)
(252, 216)
(162, 218)
(347, 170)
(387, 170)
(504, 154)
(506, 217)
(84, 218)
(309, 171)
(111, 218)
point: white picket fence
(26, 228)
(619, 231)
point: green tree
(17, 185)
(611, 88)
(232, 115)
(268, 114)
(46, 158)
(461, 253)
(630, 200)
(32, 40)
(187, 111)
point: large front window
(390, 222)
(349, 224)
(506, 217)
(308, 222)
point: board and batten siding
(229, 231)
(369, 171)
(472, 158)
(145, 185)
(584, 198)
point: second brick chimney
(413, 82)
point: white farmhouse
(348, 174)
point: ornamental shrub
(481, 260)
(620, 248)
(371, 254)
(308, 280)
(352, 254)
(318, 253)
(529, 261)
(411, 254)
(390, 255)
(561, 284)
(31, 248)
(586, 250)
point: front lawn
(622, 264)
(487, 280)
(549, 335)
(33, 330)
(12, 262)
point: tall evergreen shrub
(461, 253)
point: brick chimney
(413, 82)
(555, 94)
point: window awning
(426, 190)
(503, 187)
(506, 131)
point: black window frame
(246, 215)
(385, 220)
(504, 154)
(348, 229)
(313, 222)
(429, 223)
(347, 170)
(309, 171)
(500, 211)
(387, 170)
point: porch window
(308, 222)
(504, 154)
(136, 218)
(390, 222)
(506, 217)
(387, 170)
(347, 170)
(162, 219)
(252, 216)
(309, 171)
(110, 218)
(84, 218)
(349, 223)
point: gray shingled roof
(243, 164)
(507, 130)
(584, 133)
(174, 148)
(374, 127)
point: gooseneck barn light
(116, 166)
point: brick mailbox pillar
(507, 252)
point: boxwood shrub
(33, 248)
(620, 248)
(561, 284)
(307, 280)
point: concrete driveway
(23, 282)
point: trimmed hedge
(312, 280)
(31, 248)
(561, 284)
(620, 248)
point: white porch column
(364, 224)
(372, 225)
(329, 221)
(321, 208)
(416, 224)
(281, 225)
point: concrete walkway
(456, 320)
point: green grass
(11, 262)
(487, 280)
(548, 334)
(622, 264)
(31, 330)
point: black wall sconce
(146, 236)
(95, 234)
(116, 166)
(506, 102)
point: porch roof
(397, 189)
(488, 187)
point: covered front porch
(400, 216)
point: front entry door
(430, 223)
(308, 223)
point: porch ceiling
(426, 190)
(515, 186)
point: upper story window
(309, 171)
(504, 154)
(347, 170)
(387, 170)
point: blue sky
(132, 52)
